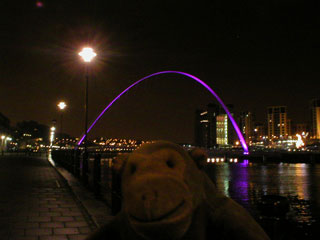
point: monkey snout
(156, 198)
(149, 196)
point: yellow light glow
(2, 137)
(62, 105)
(87, 54)
(299, 142)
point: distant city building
(259, 131)
(199, 129)
(300, 128)
(205, 126)
(225, 131)
(32, 135)
(289, 127)
(315, 118)
(247, 125)
(277, 122)
(4, 124)
(5, 133)
(222, 129)
(117, 144)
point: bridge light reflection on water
(248, 182)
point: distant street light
(52, 130)
(87, 55)
(62, 106)
(2, 144)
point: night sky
(253, 53)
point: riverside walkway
(36, 203)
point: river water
(247, 183)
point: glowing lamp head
(62, 105)
(52, 129)
(3, 137)
(87, 54)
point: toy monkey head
(161, 188)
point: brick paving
(37, 204)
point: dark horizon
(253, 55)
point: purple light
(84, 135)
(241, 138)
(245, 162)
(39, 4)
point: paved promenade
(37, 204)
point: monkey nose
(149, 200)
(149, 196)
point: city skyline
(253, 55)
(277, 124)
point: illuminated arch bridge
(240, 136)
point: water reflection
(302, 172)
(246, 183)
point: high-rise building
(224, 128)
(4, 124)
(205, 126)
(315, 118)
(199, 129)
(247, 125)
(289, 127)
(213, 127)
(277, 122)
(300, 128)
(259, 132)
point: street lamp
(52, 130)
(62, 106)
(2, 144)
(87, 55)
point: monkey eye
(133, 169)
(170, 163)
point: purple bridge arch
(235, 126)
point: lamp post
(2, 144)
(52, 130)
(62, 105)
(87, 55)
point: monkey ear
(199, 156)
(119, 162)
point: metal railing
(95, 171)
